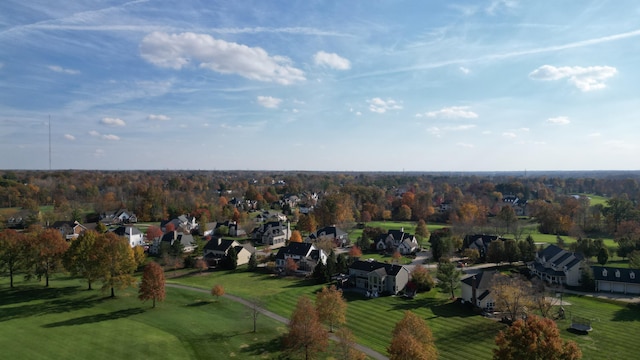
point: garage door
(633, 289)
(604, 286)
(617, 287)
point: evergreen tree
(232, 259)
(321, 274)
(331, 263)
(253, 262)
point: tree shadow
(89, 319)
(263, 349)
(54, 306)
(199, 303)
(452, 309)
(16, 295)
(630, 312)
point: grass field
(68, 322)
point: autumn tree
(448, 277)
(12, 252)
(306, 335)
(513, 296)
(290, 266)
(83, 258)
(534, 338)
(154, 232)
(333, 209)
(421, 278)
(296, 237)
(345, 346)
(152, 284)
(307, 223)
(217, 291)
(422, 231)
(201, 265)
(119, 262)
(355, 252)
(46, 249)
(331, 306)
(412, 340)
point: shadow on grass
(55, 306)
(23, 294)
(262, 349)
(119, 314)
(199, 303)
(452, 309)
(630, 312)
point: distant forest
(559, 201)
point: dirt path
(368, 351)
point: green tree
(331, 306)
(534, 338)
(83, 258)
(412, 339)
(634, 259)
(527, 249)
(232, 259)
(321, 274)
(152, 284)
(253, 262)
(331, 263)
(603, 256)
(306, 335)
(342, 264)
(448, 277)
(119, 262)
(496, 252)
(422, 232)
(511, 251)
(421, 277)
(101, 228)
(12, 252)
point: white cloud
(69, 137)
(380, 106)
(294, 110)
(331, 60)
(453, 112)
(465, 145)
(437, 131)
(111, 137)
(112, 122)
(464, 70)
(584, 78)
(619, 144)
(509, 135)
(269, 102)
(559, 120)
(98, 153)
(358, 113)
(94, 133)
(595, 134)
(158, 117)
(62, 70)
(179, 50)
(496, 5)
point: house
(479, 242)
(121, 216)
(557, 266)
(274, 234)
(217, 249)
(398, 240)
(132, 233)
(518, 205)
(305, 255)
(69, 229)
(476, 289)
(618, 280)
(338, 236)
(232, 226)
(183, 223)
(187, 241)
(376, 277)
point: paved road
(368, 351)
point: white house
(557, 266)
(398, 240)
(476, 289)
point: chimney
(474, 287)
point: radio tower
(49, 142)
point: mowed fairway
(68, 322)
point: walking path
(366, 350)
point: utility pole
(49, 142)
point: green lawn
(68, 322)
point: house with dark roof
(216, 251)
(183, 223)
(398, 240)
(479, 242)
(120, 216)
(377, 277)
(69, 229)
(338, 236)
(476, 289)
(171, 237)
(274, 234)
(618, 280)
(557, 266)
(306, 256)
(132, 233)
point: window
(604, 272)
(617, 273)
(632, 275)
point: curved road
(366, 350)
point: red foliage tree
(152, 284)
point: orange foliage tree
(12, 251)
(296, 236)
(217, 291)
(331, 306)
(152, 284)
(46, 250)
(534, 338)
(306, 334)
(412, 339)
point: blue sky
(315, 85)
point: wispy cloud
(584, 78)
(559, 120)
(465, 145)
(269, 102)
(113, 122)
(438, 131)
(498, 5)
(69, 137)
(331, 60)
(158, 117)
(62, 70)
(111, 137)
(377, 105)
(179, 50)
(464, 70)
(509, 135)
(452, 112)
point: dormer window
(632, 275)
(604, 272)
(617, 273)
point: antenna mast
(49, 142)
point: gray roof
(604, 273)
(369, 266)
